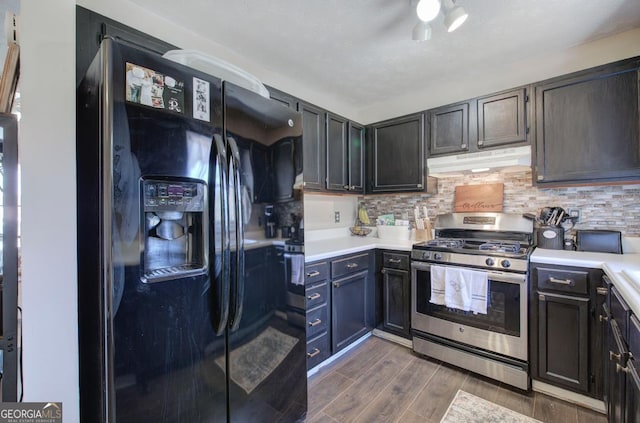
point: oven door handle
(514, 278)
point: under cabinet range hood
(516, 158)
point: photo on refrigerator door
(150, 88)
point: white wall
(47, 155)
(486, 79)
(319, 211)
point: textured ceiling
(361, 50)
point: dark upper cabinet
(284, 170)
(396, 155)
(313, 145)
(344, 155)
(356, 157)
(449, 129)
(337, 153)
(502, 119)
(283, 98)
(588, 126)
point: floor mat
(254, 361)
(467, 408)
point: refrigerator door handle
(234, 164)
(221, 284)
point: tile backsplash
(602, 207)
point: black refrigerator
(172, 325)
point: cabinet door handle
(313, 353)
(395, 261)
(480, 142)
(315, 322)
(346, 187)
(463, 145)
(352, 265)
(603, 318)
(614, 357)
(568, 282)
(601, 290)
(620, 368)
(313, 273)
(336, 284)
(314, 296)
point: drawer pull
(315, 322)
(620, 368)
(313, 274)
(395, 261)
(313, 353)
(601, 290)
(314, 296)
(568, 282)
(352, 265)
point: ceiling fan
(428, 10)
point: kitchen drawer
(395, 261)
(316, 272)
(317, 320)
(620, 312)
(562, 280)
(318, 349)
(351, 264)
(317, 294)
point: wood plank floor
(380, 381)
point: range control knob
(426, 255)
(437, 256)
(506, 263)
(489, 261)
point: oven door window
(503, 307)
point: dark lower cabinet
(351, 299)
(622, 349)
(349, 309)
(396, 294)
(317, 304)
(563, 335)
(588, 126)
(566, 331)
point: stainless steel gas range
(490, 250)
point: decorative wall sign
(479, 198)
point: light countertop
(325, 248)
(622, 269)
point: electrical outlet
(336, 216)
(575, 213)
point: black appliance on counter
(163, 195)
(492, 344)
(270, 222)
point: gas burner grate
(445, 243)
(501, 247)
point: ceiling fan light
(421, 32)
(454, 18)
(427, 10)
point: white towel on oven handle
(438, 281)
(466, 290)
